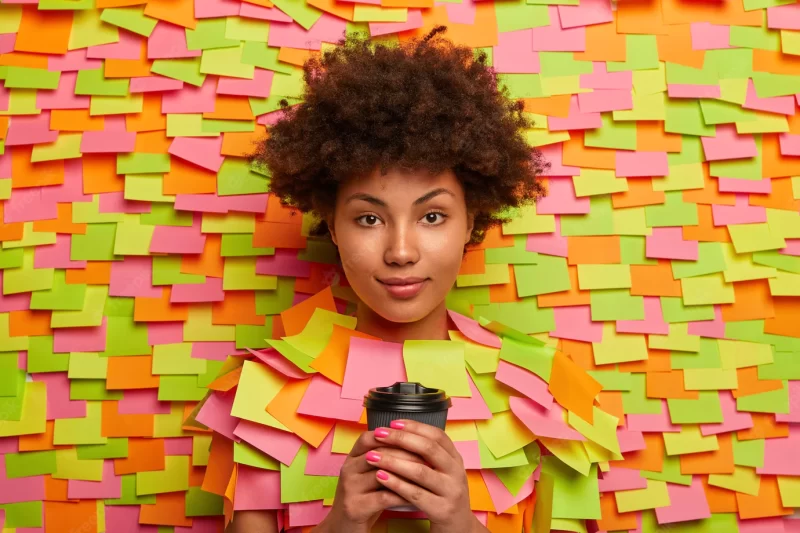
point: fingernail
(373, 457)
(396, 424)
(381, 433)
(382, 475)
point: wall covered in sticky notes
(140, 250)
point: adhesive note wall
(139, 249)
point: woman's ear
(470, 227)
(331, 229)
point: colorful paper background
(139, 250)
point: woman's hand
(438, 488)
(359, 500)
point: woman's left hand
(438, 488)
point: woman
(407, 154)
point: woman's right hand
(360, 499)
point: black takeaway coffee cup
(404, 400)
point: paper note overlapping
(141, 257)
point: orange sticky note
(68, 517)
(169, 510)
(332, 360)
(131, 373)
(159, 309)
(572, 387)
(296, 318)
(32, 37)
(114, 424)
(284, 408)
(766, 504)
(144, 455)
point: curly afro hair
(422, 105)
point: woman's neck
(432, 327)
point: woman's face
(401, 239)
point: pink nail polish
(381, 433)
(382, 475)
(397, 424)
(373, 457)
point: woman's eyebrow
(377, 201)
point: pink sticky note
(57, 256)
(554, 154)
(688, 90)
(621, 479)
(548, 243)
(89, 339)
(133, 277)
(600, 78)
(22, 489)
(7, 41)
(278, 444)
(207, 524)
(154, 84)
(727, 144)
(514, 53)
(191, 99)
(178, 446)
(792, 247)
(30, 129)
(108, 141)
(210, 291)
(776, 524)
(323, 399)
(653, 423)
(575, 323)
(322, 461)
(604, 100)
(64, 96)
(204, 9)
(72, 188)
(794, 404)
(783, 105)
(789, 143)
(707, 36)
(668, 243)
(630, 441)
(576, 120)
(73, 60)
(258, 87)
(4, 98)
(273, 358)
(27, 205)
(686, 503)
(371, 363)
(784, 17)
(115, 202)
(543, 422)
(283, 263)
(215, 351)
(3, 511)
(252, 11)
(9, 445)
(525, 382)
(164, 332)
(470, 453)
(203, 152)
(762, 186)
(13, 302)
(561, 199)
(641, 164)
(129, 46)
(709, 328)
(168, 41)
(556, 38)
(413, 22)
(587, 13)
(269, 119)
(109, 488)
(328, 28)
(653, 323)
(463, 13)
(472, 330)
(501, 497)
(5, 165)
(125, 519)
(142, 402)
(309, 513)
(211, 203)
(58, 403)
(178, 240)
(733, 420)
(741, 213)
(257, 488)
(216, 413)
(473, 408)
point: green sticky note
(164, 214)
(296, 486)
(512, 255)
(94, 83)
(212, 372)
(114, 448)
(41, 357)
(616, 304)
(592, 277)
(550, 274)
(116, 105)
(682, 74)
(202, 503)
(236, 245)
(785, 365)
(437, 364)
(12, 257)
(296, 356)
(317, 331)
(776, 401)
(245, 454)
(11, 406)
(31, 78)
(91, 389)
(538, 360)
(494, 393)
(710, 260)
(575, 496)
(673, 212)
(642, 54)
(304, 14)
(755, 37)
(20, 515)
(670, 472)
(27, 278)
(504, 433)
(87, 366)
(80, 430)
(129, 496)
(130, 18)
(613, 135)
(146, 188)
(66, 146)
(201, 448)
(239, 273)
(254, 337)
(492, 275)
(704, 410)
(707, 356)
(167, 271)
(677, 339)
(126, 337)
(61, 296)
(612, 380)
(215, 125)
(685, 117)
(525, 220)
(513, 478)
(180, 389)
(674, 310)
(513, 17)
(119, 306)
(27, 464)
(97, 244)
(599, 220)
(636, 402)
(33, 418)
(143, 163)
(510, 460)
(133, 238)
(9, 375)
(176, 359)
(186, 70)
(208, 34)
(174, 477)
(521, 85)
(748, 452)
(226, 62)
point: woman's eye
(368, 220)
(434, 218)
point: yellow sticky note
(689, 440)
(740, 354)
(94, 302)
(570, 452)
(345, 435)
(591, 277)
(785, 284)
(710, 379)
(603, 431)
(68, 466)
(198, 326)
(630, 221)
(740, 267)
(655, 495)
(785, 223)
(526, 221)
(80, 430)
(437, 363)
(318, 330)
(754, 238)
(258, 385)
(680, 177)
(743, 479)
(228, 223)
(504, 433)
(619, 348)
(174, 477)
(494, 274)
(789, 488)
(707, 290)
(33, 419)
(461, 430)
(678, 339)
(239, 273)
(593, 181)
(482, 359)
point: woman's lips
(403, 288)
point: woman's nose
(401, 246)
